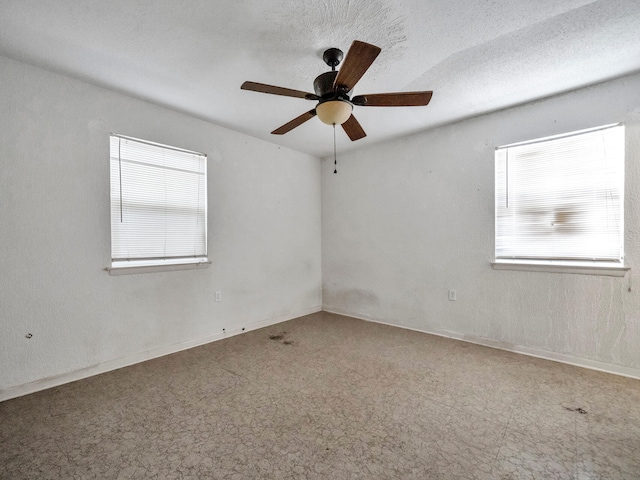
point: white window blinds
(158, 203)
(560, 200)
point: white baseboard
(50, 382)
(524, 350)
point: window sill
(168, 267)
(610, 271)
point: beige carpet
(329, 397)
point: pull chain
(335, 159)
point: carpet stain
(281, 336)
(579, 410)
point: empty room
(320, 240)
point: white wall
(407, 220)
(402, 223)
(264, 234)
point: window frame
(579, 266)
(166, 261)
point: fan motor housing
(323, 86)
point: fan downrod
(332, 57)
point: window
(559, 201)
(158, 206)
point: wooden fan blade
(353, 129)
(286, 92)
(296, 122)
(400, 99)
(359, 58)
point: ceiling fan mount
(332, 57)
(332, 91)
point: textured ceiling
(192, 56)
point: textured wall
(407, 220)
(264, 231)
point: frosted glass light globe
(334, 112)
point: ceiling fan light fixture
(333, 89)
(334, 112)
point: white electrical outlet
(452, 295)
(218, 296)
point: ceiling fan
(332, 92)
